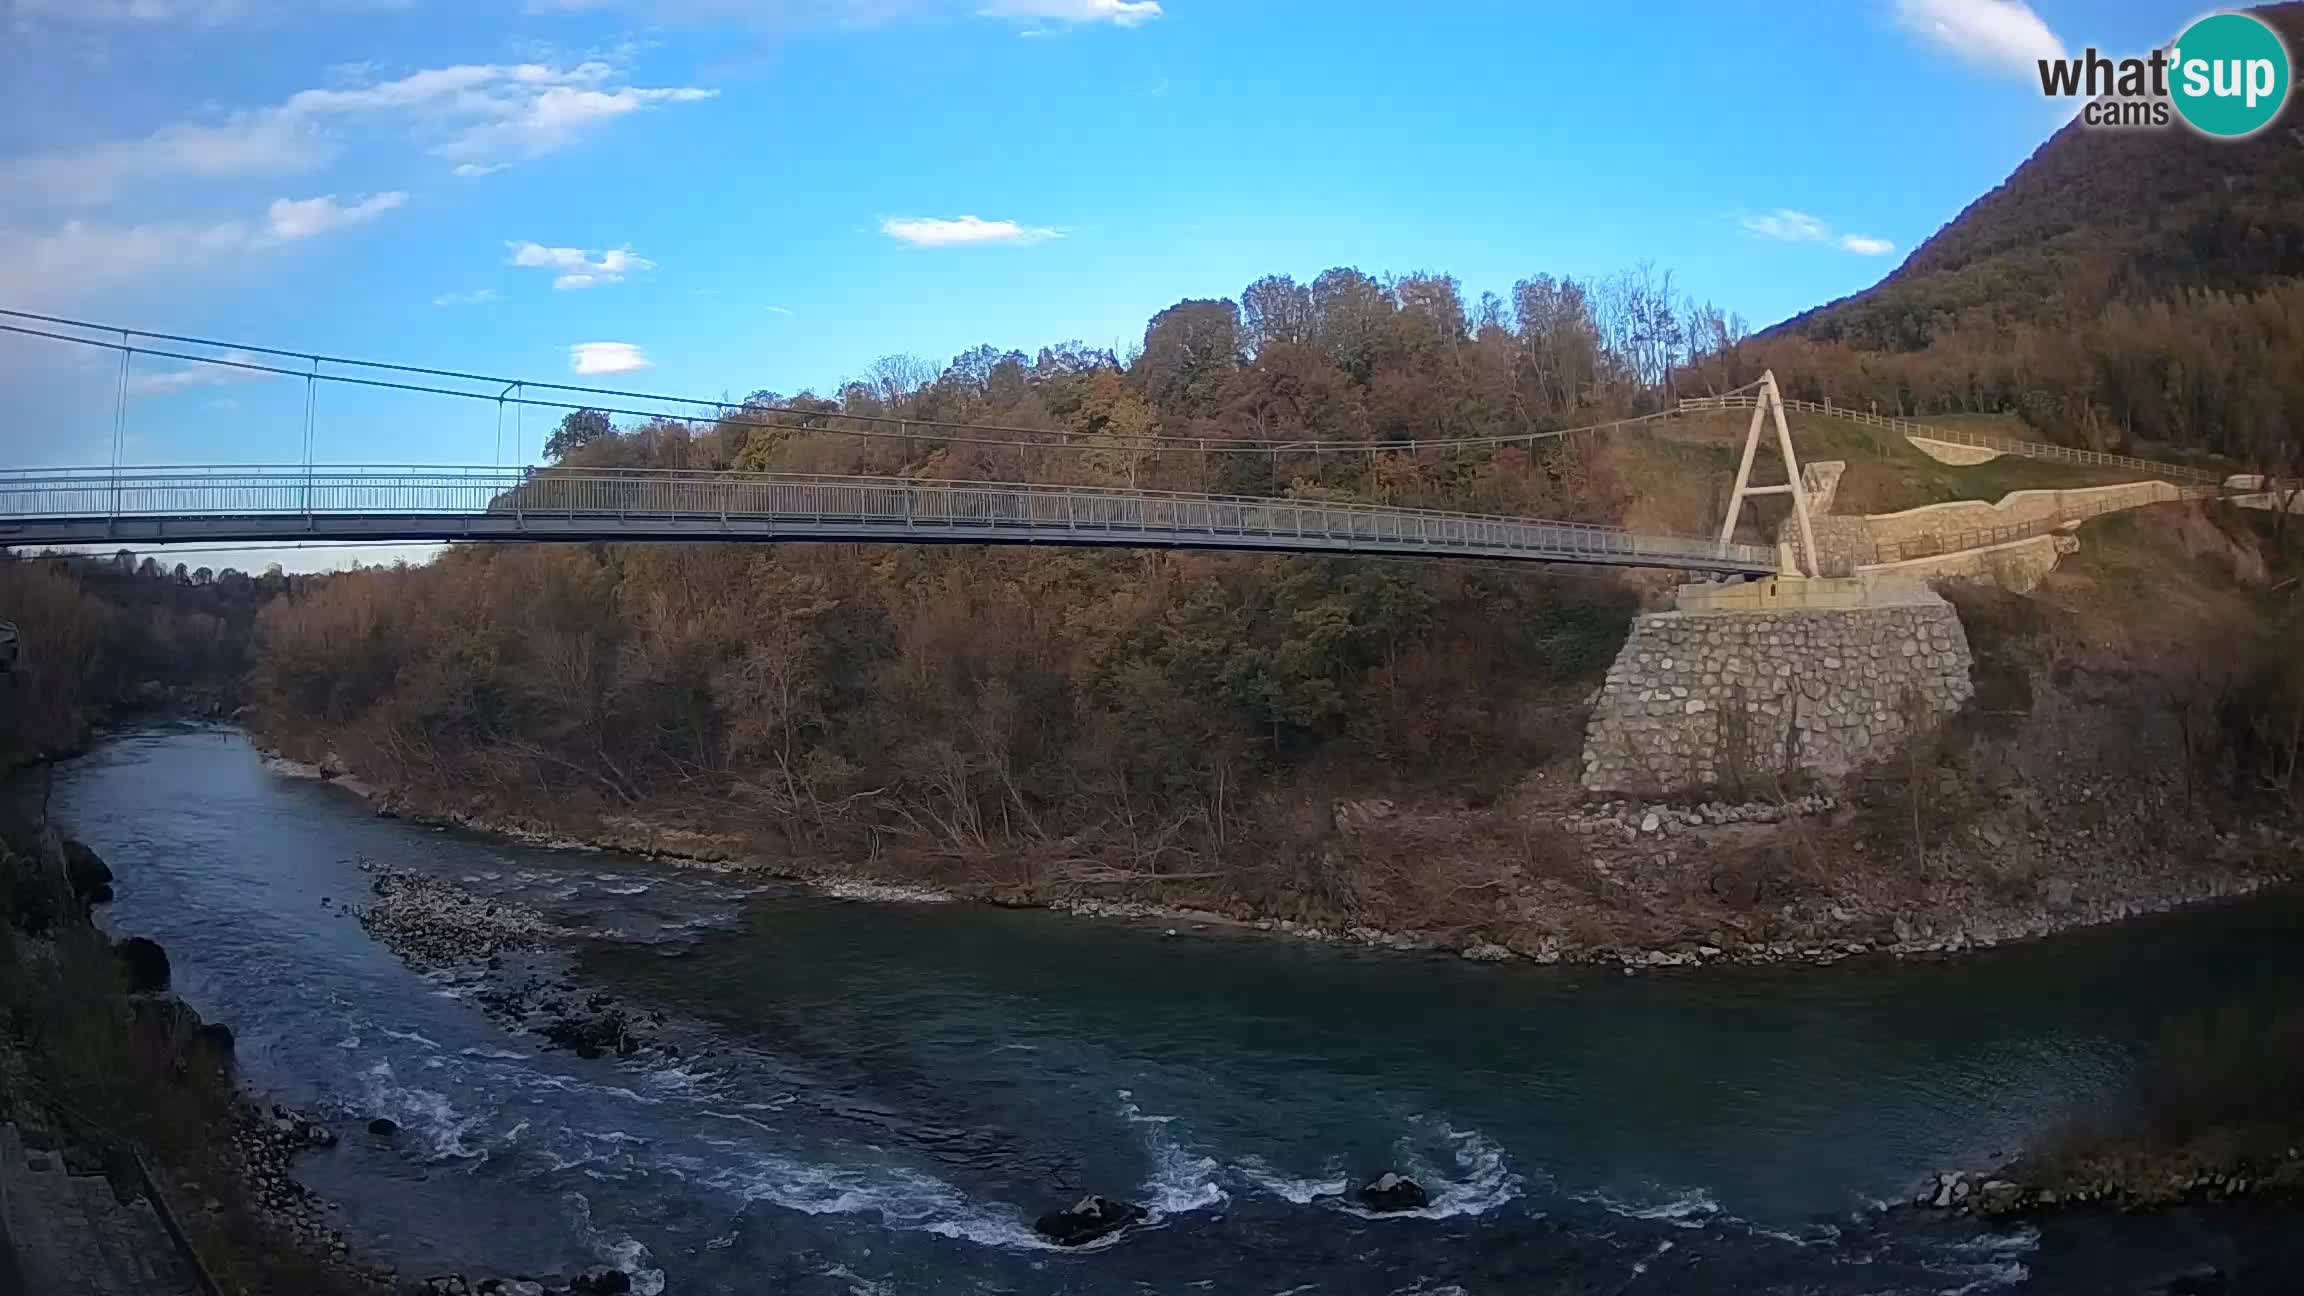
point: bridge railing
(2043, 450)
(891, 506)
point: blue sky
(746, 194)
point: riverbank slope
(2119, 758)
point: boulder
(1998, 1196)
(1951, 1186)
(1393, 1192)
(2206, 1280)
(332, 766)
(600, 1282)
(213, 1040)
(1086, 1220)
(87, 874)
(145, 963)
(383, 1127)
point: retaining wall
(1706, 699)
(1932, 522)
(2017, 566)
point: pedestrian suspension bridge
(143, 506)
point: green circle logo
(2229, 75)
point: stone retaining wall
(2017, 566)
(1937, 522)
(1705, 699)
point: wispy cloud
(2001, 35)
(1120, 13)
(477, 297)
(82, 256)
(1788, 226)
(250, 144)
(854, 15)
(189, 377)
(292, 219)
(598, 358)
(548, 121)
(185, 13)
(778, 310)
(479, 116)
(930, 231)
(579, 268)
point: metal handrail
(902, 504)
(1960, 436)
(149, 1183)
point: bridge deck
(148, 506)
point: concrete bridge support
(1742, 683)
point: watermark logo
(2227, 76)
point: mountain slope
(2096, 216)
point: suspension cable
(750, 415)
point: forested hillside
(1120, 705)
(100, 633)
(2122, 287)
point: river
(879, 1097)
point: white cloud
(197, 12)
(2002, 35)
(477, 297)
(190, 13)
(168, 382)
(250, 144)
(552, 118)
(480, 116)
(292, 219)
(1122, 13)
(81, 257)
(930, 231)
(578, 267)
(606, 358)
(779, 310)
(1788, 226)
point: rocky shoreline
(267, 1141)
(435, 924)
(1618, 834)
(2142, 1183)
(256, 1151)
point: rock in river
(383, 1127)
(85, 870)
(1086, 1220)
(145, 963)
(1392, 1192)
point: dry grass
(1676, 474)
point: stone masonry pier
(1772, 678)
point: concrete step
(71, 1235)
